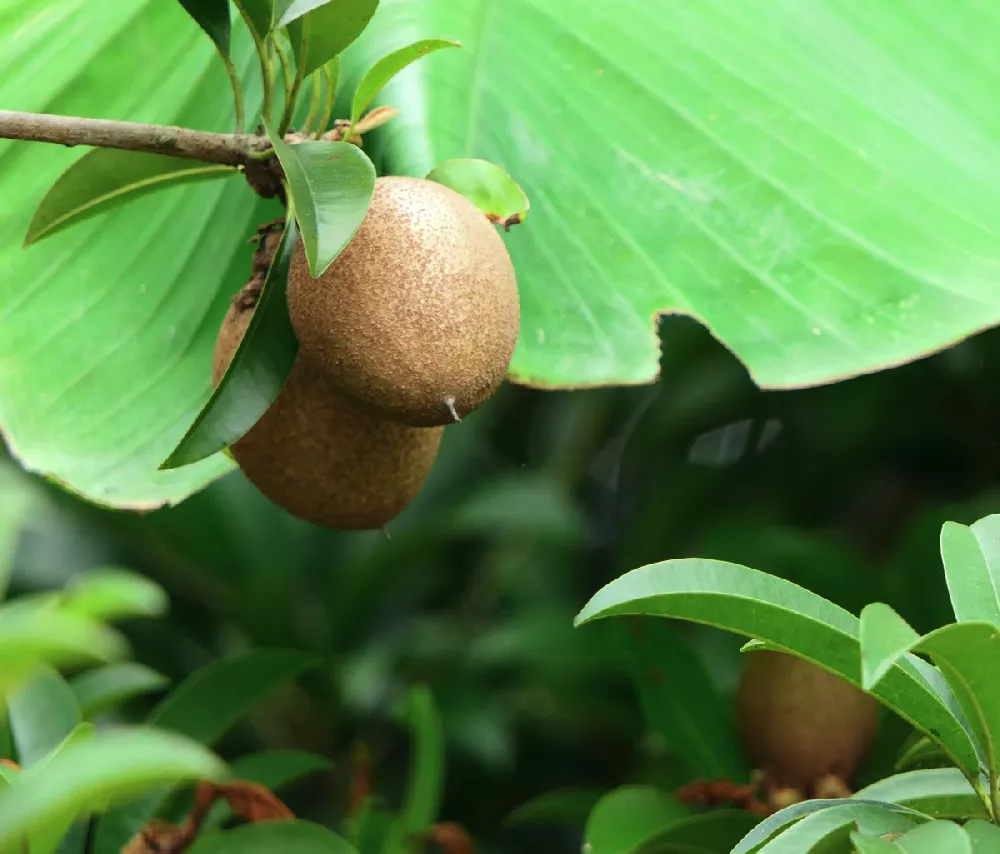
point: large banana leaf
(815, 181)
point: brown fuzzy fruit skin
(319, 455)
(421, 306)
(799, 722)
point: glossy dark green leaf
(388, 67)
(560, 807)
(106, 178)
(625, 819)
(885, 638)
(213, 17)
(114, 594)
(276, 768)
(271, 837)
(42, 713)
(324, 28)
(373, 829)
(972, 585)
(104, 688)
(936, 792)
(258, 15)
(935, 837)
(755, 604)
(486, 185)
(110, 765)
(331, 184)
(204, 707)
(257, 372)
(984, 835)
(680, 701)
(714, 832)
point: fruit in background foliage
(321, 456)
(417, 318)
(799, 722)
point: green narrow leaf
(17, 498)
(714, 832)
(258, 14)
(104, 688)
(923, 753)
(680, 701)
(967, 654)
(105, 178)
(113, 764)
(825, 826)
(213, 17)
(755, 604)
(936, 792)
(331, 185)
(388, 67)
(271, 837)
(372, 829)
(873, 844)
(626, 818)
(256, 373)
(885, 638)
(936, 837)
(425, 785)
(43, 712)
(972, 586)
(49, 839)
(562, 806)
(325, 28)
(204, 707)
(487, 186)
(114, 594)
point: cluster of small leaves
(945, 794)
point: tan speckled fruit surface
(319, 455)
(800, 722)
(420, 306)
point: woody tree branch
(223, 149)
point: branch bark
(219, 148)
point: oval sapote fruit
(799, 722)
(321, 456)
(417, 318)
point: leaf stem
(234, 78)
(331, 96)
(235, 149)
(315, 104)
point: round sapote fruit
(799, 722)
(321, 456)
(417, 318)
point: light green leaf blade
(936, 792)
(627, 817)
(110, 765)
(425, 786)
(984, 835)
(755, 604)
(106, 340)
(42, 712)
(837, 822)
(114, 594)
(17, 499)
(487, 186)
(873, 844)
(104, 688)
(936, 837)
(885, 638)
(324, 28)
(54, 834)
(269, 837)
(971, 584)
(388, 67)
(713, 158)
(332, 184)
(255, 375)
(105, 178)
(966, 654)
